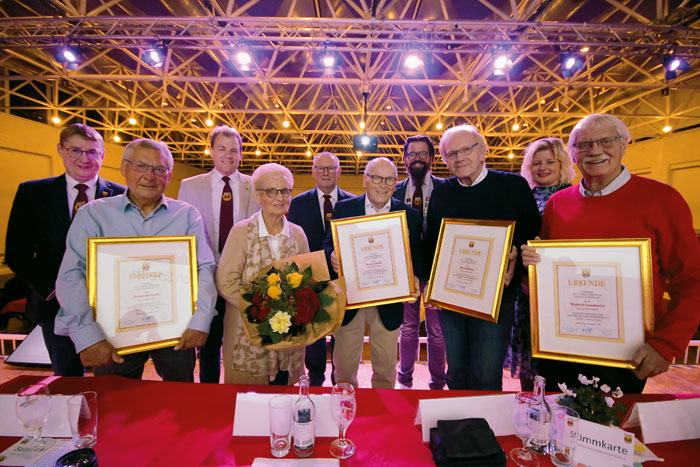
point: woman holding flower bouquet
(253, 246)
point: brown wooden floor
(680, 379)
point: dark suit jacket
(400, 188)
(391, 314)
(36, 238)
(305, 211)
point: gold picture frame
(469, 266)
(373, 251)
(142, 290)
(591, 301)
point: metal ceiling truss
(622, 75)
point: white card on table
(664, 421)
(603, 445)
(495, 409)
(251, 416)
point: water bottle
(304, 415)
(541, 437)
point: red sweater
(642, 208)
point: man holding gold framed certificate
(142, 211)
(611, 203)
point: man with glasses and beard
(477, 348)
(418, 158)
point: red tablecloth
(150, 423)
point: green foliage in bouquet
(593, 403)
(283, 302)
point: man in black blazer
(418, 158)
(384, 320)
(36, 232)
(312, 210)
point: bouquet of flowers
(292, 304)
(593, 402)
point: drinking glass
(280, 409)
(32, 405)
(564, 435)
(528, 417)
(343, 407)
(82, 416)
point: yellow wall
(28, 151)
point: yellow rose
(281, 322)
(274, 292)
(294, 279)
(272, 279)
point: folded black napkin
(468, 442)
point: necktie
(226, 213)
(418, 200)
(327, 211)
(80, 199)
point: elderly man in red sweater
(612, 203)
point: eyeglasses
(376, 179)
(465, 151)
(273, 192)
(324, 169)
(606, 142)
(77, 153)
(223, 150)
(141, 167)
(421, 154)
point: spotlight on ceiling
(501, 64)
(328, 60)
(154, 56)
(674, 66)
(243, 57)
(69, 56)
(413, 60)
(570, 64)
(364, 143)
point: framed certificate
(375, 256)
(142, 290)
(470, 263)
(591, 301)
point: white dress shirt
(616, 184)
(479, 179)
(369, 207)
(321, 200)
(273, 240)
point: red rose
(307, 305)
(257, 299)
(260, 313)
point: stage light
(56, 120)
(308, 153)
(570, 64)
(438, 126)
(584, 49)
(207, 152)
(365, 143)
(511, 155)
(412, 61)
(285, 123)
(542, 101)
(69, 56)
(515, 127)
(501, 65)
(674, 66)
(209, 122)
(244, 58)
(359, 153)
(667, 129)
(116, 138)
(132, 121)
(328, 60)
(388, 107)
(154, 56)
(257, 152)
(362, 125)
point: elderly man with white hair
(477, 348)
(142, 211)
(612, 203)
(383, 321)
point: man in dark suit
(418, 158)
(312, 210)
(36, 232)
(384, 320)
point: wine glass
(32, 405)
(343, 408)
(528, 417)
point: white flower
(609, 401)
(595, 381)
(281, 322)
(562, 387)
(617, 393)
(582, 379)
(605, 388)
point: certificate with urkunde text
(142, 289)
(471, 259)
(375, 258)
(591, 300)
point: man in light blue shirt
(142, 211)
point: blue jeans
(476, 348)
(65, 361)
(210, 352)
(171, 365)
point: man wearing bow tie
(36, 232)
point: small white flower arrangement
(593, 402)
